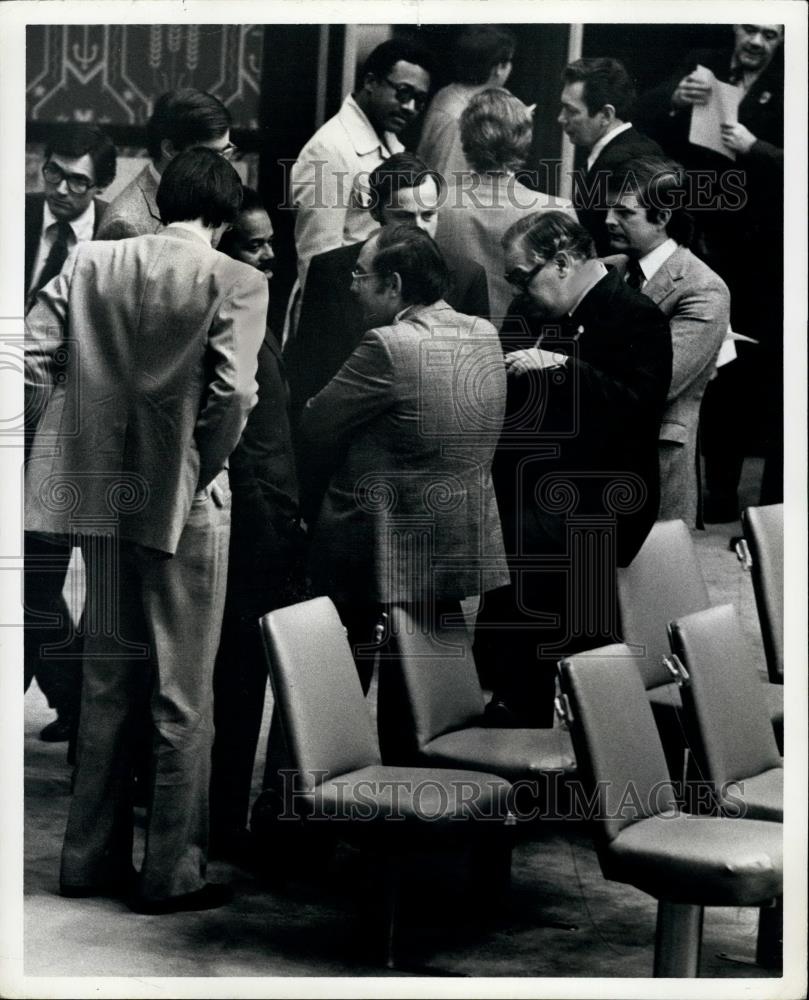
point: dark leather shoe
(209, 897)
(58, 731)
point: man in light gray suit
(181, 119)
(140, 362)
(410, 421)
(647, 221)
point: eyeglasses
(76, 183)
(405, 93)
(522, 279)
(359, 275)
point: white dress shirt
(656, 258)
(81, 229)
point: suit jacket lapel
(35, 206)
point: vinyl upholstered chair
(642, 838)
(737, 759)
(430, 713)
(762, 552)
(340, 783)
(664, 582)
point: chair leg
(770, 944)
(391, 879)
(678, 940)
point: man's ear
(663, 217)
(167, 149)
(608, 111)
(394, 281)
(562, 261)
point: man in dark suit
(79, 163)
(576, 470)
(403, 190)
(597, 99)
(728, 227)
(408, 426)
(129, 456)
(265, 561)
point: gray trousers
(152, 629)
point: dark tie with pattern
(634, 274)
(56, 257)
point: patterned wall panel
(111, 74)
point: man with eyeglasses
(407, 427)
(79, 163)
(329, 180)
(576, 470)
(181, 119)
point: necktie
(57, 255)
(634, 274)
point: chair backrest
(663, 582)
(323, 713)
(764, 531)
(617, 746)
(428, 686)
(723, 697)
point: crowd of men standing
(481, 384)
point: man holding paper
(742, 176)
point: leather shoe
(209, 897)
(58, 731)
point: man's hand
(690, 91)
(737, 137)
(532, 359)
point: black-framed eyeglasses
(406, 92)
(522, 279)
(76, 183)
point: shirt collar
(173, 227)
(655, 259)
(595, 152)
(154, 172)
(364, 137)
(82, 226)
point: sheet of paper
(722, 108)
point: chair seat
(761, 797)
(395, 797)
(667, 706)
(516, 754)
(698, 860)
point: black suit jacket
(590, 186)
(34, 207)
(331, 323)
(265, 540)
(594, 423)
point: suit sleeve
(475, 301)
(698, 328)
(45, 331)
(232, 359)
(363, 388)
(320, 186)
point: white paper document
(722, 108)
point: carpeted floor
(562, 918)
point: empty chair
(337, 780)
(662, 583)
(725, 709)
(430, 712)
(764, 538)
(642, 839)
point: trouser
(240, 680)
(52, 647)
(154, 663)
